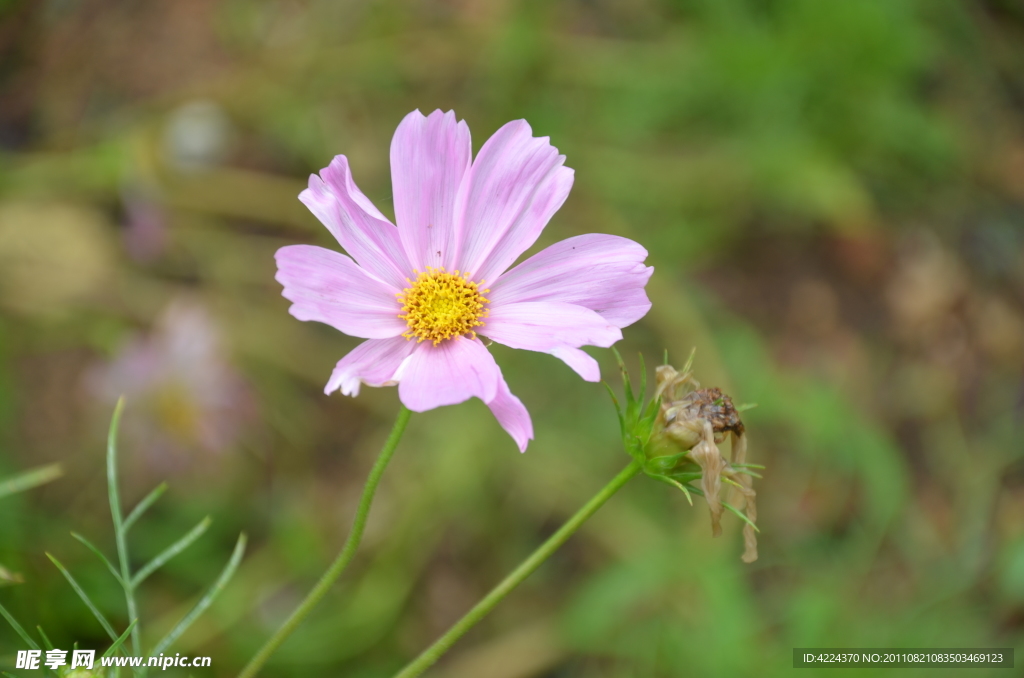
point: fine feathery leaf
(618, 409)
(143, 505)
(206, 600)
(117, 518)
(687, 477)
(627, 387)
(675, 483)
(742, 516)
(120, 640)
(115, 500)
(46, 639)
(689, 361)
(17, 628)
(29, 479)
(171, 551)
(85, 598)
(99, 554)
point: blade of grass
(171, 551)
(206, 600)
(17, 628)
(143, 505)
(29, 479)
(115, 514)
(99, 554)
(85, 598)
(46, 639)
(120, 640)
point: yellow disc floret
(439, 305)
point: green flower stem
(119, 531)
(524, 570)
(344, 557)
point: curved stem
(119, 530)
(344, 557)
(524, 570)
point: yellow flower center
(439, 305)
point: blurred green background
(833, 197)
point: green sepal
(636, 419)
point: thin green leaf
(171, 551)
(29, 479)
(117, 518)
(732, 508)
(618, 410)
(85, 598)
(120, 640)
(689, 361)
(742, 516)
(687, 477)
(205, 601)
(46, 639)
(143, 506)
(626, 384)
(115, 499)
(99, 554)
(17, 628)
(674, 483)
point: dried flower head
(697, 420)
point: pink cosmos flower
(420, 292)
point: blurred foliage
(833, 197)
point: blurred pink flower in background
(421, 291)
(145, 232)
(182, 394)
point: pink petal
(545, 325)
(604, 273)
(360, 228)
(429, 157)
(328, 287)
(511, 414)
(515, 185)
(580, 362)
(372, 362)
(451, 372)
